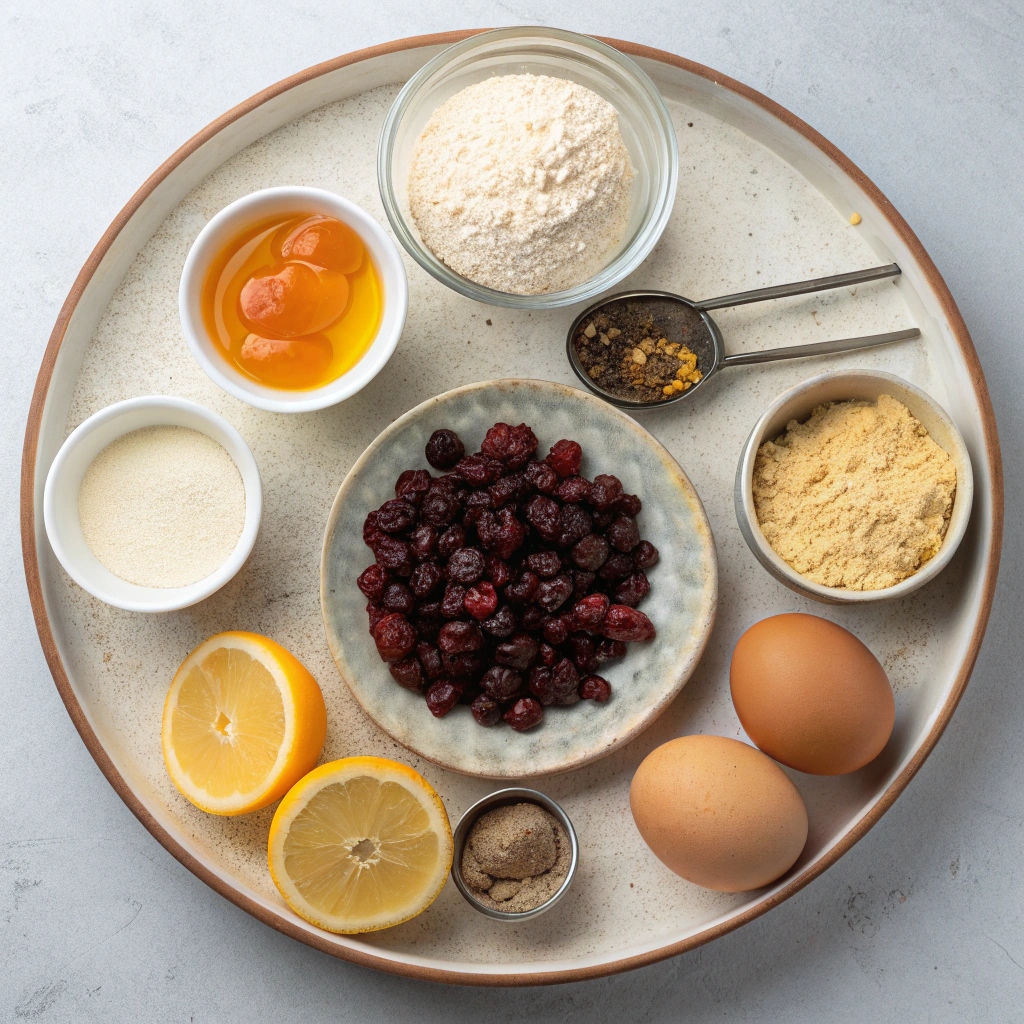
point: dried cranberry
(481, 600)
(573, 525)
(573, 490)
(603, 518)
(590, 612)
(523, 589)
(478, 470)
(425, 579)
(617, 567)
(470, 690)
(632, 590)
(451, 603)
(394, 555)
(623, 534)
(498, 571)
(582, 583)
(548, 655)
(565, 458)
(513, 445)
(543, 515)
(552, 594)
(457, 637)
(540, 685)
(451, 541)
(564, 680)
(645, 555)
(501, 683)
(426, 629)
(524, 714)
(465, 566)
(372, 581)
(510, 535)
(375, 613)
(464, 665)
(398, 598)
(486, 710)
(628, 624)
(439, 506)
(541, 477)
(590, 552)
(507, 489)
(423, 542)
(444, 449)
(544, 563)
(412, 485)
(396, 516)
(606, 490)
(595, 688)
(556, 631)
(442, 697)
(517, 652)
(408, 673)
(394, 637)
(610, 650)
(371, 531)
(477, 502)
(584, 652)
(502, 623)
(629, 505)
(430, 659)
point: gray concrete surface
(920, 922)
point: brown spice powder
(516, 857)
(858, 497)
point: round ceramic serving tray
(762, 199)
(681, 604)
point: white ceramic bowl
(292, 199)
(64, 479)
(839, 386)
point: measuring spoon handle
(819, 284)
(819, 348)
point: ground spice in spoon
(516, 858)
(629, 356)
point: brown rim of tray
(285, 925)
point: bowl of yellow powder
(854, 486)
(153, 504)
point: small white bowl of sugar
(153, 504)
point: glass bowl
(643, 120)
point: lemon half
(360, 844)
(243, 721)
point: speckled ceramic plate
(681, 604)
(762, 198)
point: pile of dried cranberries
(507, 582)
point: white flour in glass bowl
(522, 183)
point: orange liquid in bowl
(293, 302)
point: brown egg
(718, 812)
(811, 695)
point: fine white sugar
(162, 506)
(522, 183)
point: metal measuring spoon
(687, 321)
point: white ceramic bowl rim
(300, 199)
(629, 257)
(766, 554)
(65, 476)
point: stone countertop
(920, 921)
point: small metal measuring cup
(683, 319)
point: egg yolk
(293, 302)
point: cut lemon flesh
(360, 844)
(243, 721)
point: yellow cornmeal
(858, 497)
